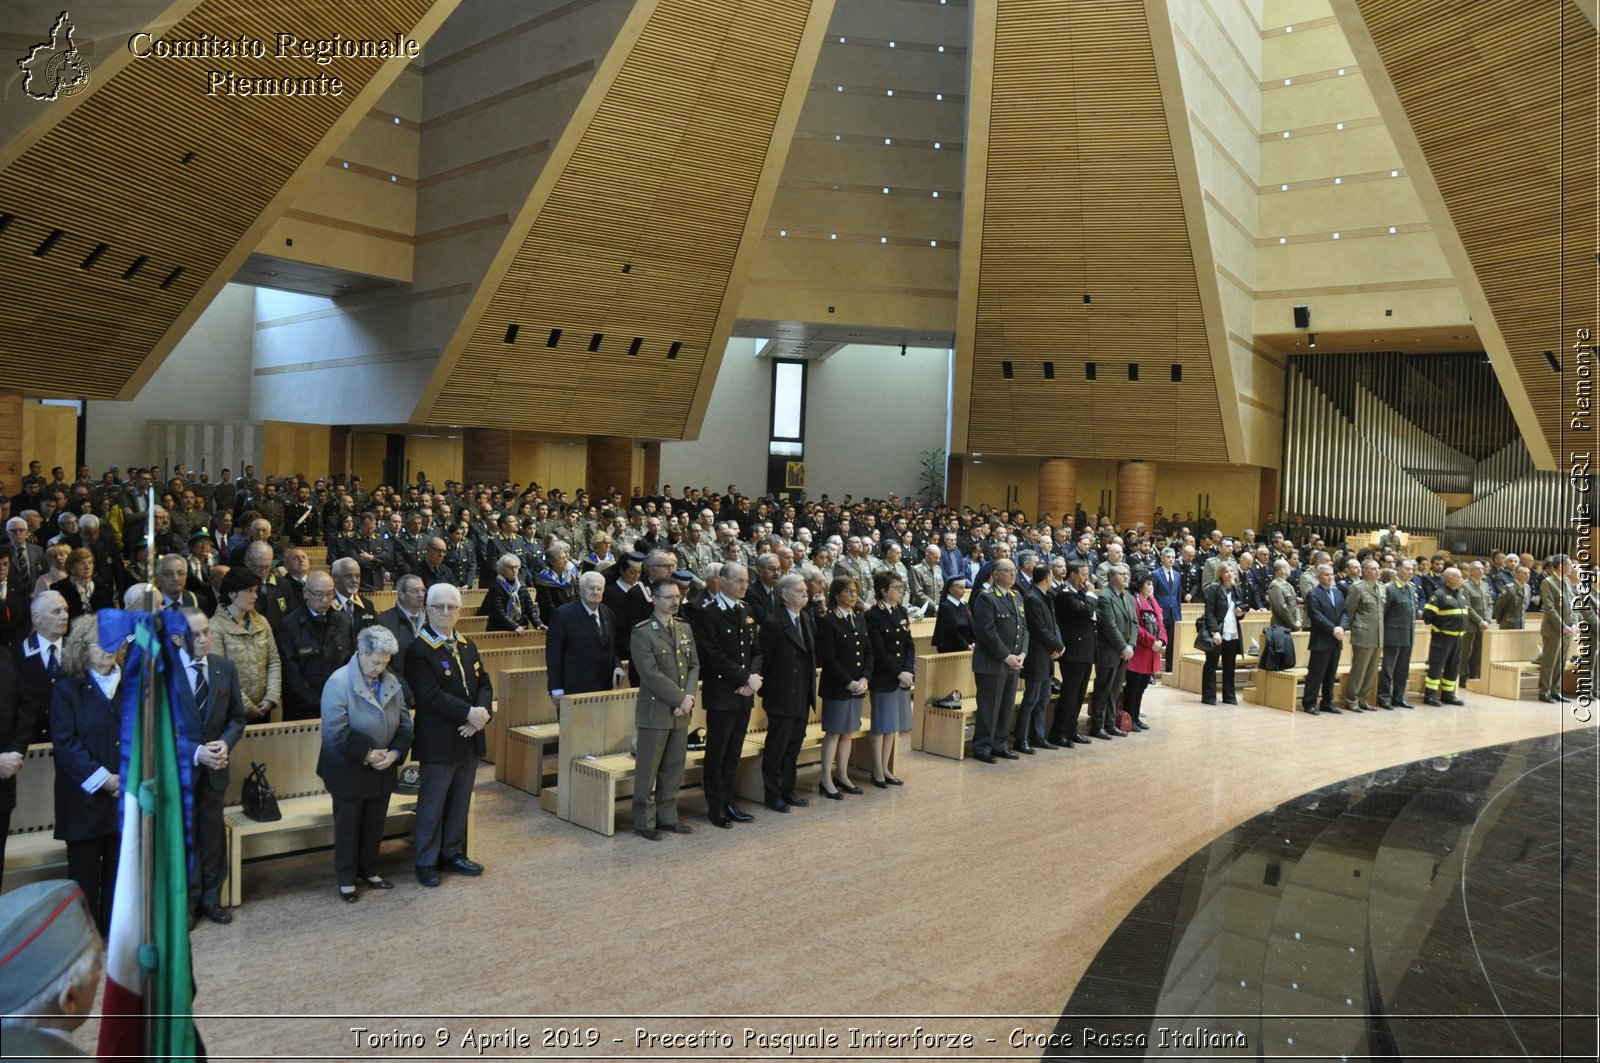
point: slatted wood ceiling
(663, 180)
(1501, 95)
(109, 173)
(1083, 197)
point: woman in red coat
(1148, 653)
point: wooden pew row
(943, 731)
(1507, 648)
(471, 599)
(525, 723)
(290, 751)
(499, 657)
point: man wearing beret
(50, 967)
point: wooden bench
(1504, 645)
(289, 751)
(1512, 679)
(498, 659)
(471, 599)
(1282, 690)
(525, 723)
(937, 675)
(473, 626)
(32, 852)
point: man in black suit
(313, 643)
(213, 722)
(1044, 649)
(1325, 614)
(172, 580)
(433, 568)
(405, 619)
(1076, 615)
(788, 649)
(730, 677)
(16, 731)
(27, 558)
(454, 701)
(581, 648)
(107, 558)
(14, 620)
(38, 658)
(762, 599)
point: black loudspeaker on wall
(1302, 317)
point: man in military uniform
(856, 564)
(1480, 602)
(313, 643)
(1363, 610)
(1000, 626)
(270, 506)
(725, 636)
(1399, 635)
(1282, 601)
(1557, 625)
(1446, 613)
(1511, 605)
(454, 702)
(369, 552)
(301, 519)
(695, 552)
(923, 584)
(663, 651)
(460, 557)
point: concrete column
(1058, 488)
(1136, 493)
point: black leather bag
(260, 800)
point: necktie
(22, 558)
(202, 689)
(52, 665)
(599, 625)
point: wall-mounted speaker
(1302, 317)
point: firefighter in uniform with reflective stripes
(1446, 614)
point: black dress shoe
(427, 876)
(1331, 709)
(1006, 754)
(377, 882)
(738, 815)
(1116, 732)
(1404, 704)
(679, 828)
(987, 758)
(1432, 699)
(882, 784)
(1230, 701)
(1451, 699)
(1141, 725)
(720, 821)
(831, 795)
(649, 834)
(348, 896)
(848, 788)
(1385, 703)
(1045, 745)
(1547, 698)
(1558, 697)
(796, 800)
(1098, 733)
(461, 866)
(1310, 710)
(892, 781)
(1077, 737)
(1208, 701)
(1026, 749)
(216, 915)
(777, 806)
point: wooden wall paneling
(12, 464)
(50, 436)
(131, 130)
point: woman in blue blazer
(86, 726)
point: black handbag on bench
(260, 800)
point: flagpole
(147, 828)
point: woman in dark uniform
(86, 726)
(894, 663)
(952, 629)
(844, 653)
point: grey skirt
(841, 716)
(891, 711)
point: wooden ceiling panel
(677, 145)
(110, 170)
(1080, 196)
(1501, 99)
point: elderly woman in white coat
(366, 732)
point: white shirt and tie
(199, 675)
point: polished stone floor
(1442, 908)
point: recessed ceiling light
(1288, 29)
(841, 40)
(888, 92)
(783, 232)
(1288, 81)
(935, 145)
(396, 119)
(1285, 134)
(1283, 239)
(938, 95)
(885, 191)
(1339, 126)
(891, 44)
(347, 166)
(1336, 236)
(941, 47)
(833, 236)
(883, 239)
(933, 243)
(888, 140)
(1341, 71)
(839, 89)
(936, 195)
(1392, 229)
(1283, 188)
(1394, 173)
(1338, 180)
(836, 136)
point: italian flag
(148, 1011)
